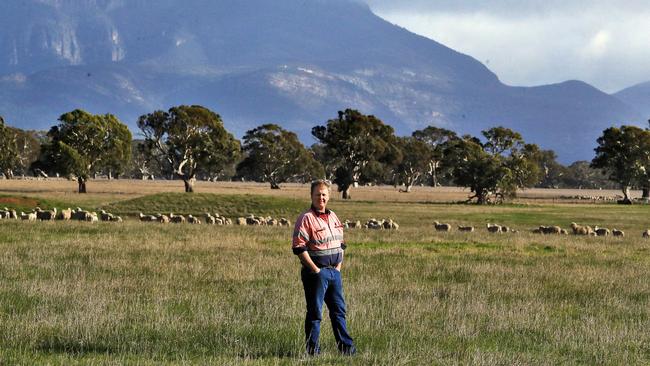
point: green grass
(146, 293)
(198, 203)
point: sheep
(163, 219)
(105, 216)
(193, 220)
(91, 217)
(505, 229)
(646, 234)
(13, 214)
(564, 232)
(45, 215)
(28, 217)
(273, 222)
(373, 224)
(176, 219)
(210, 220)
(79, 214)
(147, 218)
(441, 226)
(538, 230)
(550, 229)
(285, 222)
(219, 221)
(466, 229)
(581, 230)
(252, 220)
(493, 228)
(241, 221)
(64, 214)
(601, 231)
(616, 232)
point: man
(318, 243)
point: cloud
(538, 42)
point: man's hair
(318, 183)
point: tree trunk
(82, 184)
(434, 176)
(110, 175)
(646, 193)
(626, 196)
(189, 184)
(345, 192)
(9, 174)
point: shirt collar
(318, 213)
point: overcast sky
(533, 42)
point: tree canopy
(494, 169)
(83, 144)
(9, 157)
(275, 155)
(359, 144)
(188, 141)
(624, 155)
(435, 138)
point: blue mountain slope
(293, 62)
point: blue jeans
(326, 286)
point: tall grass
(144, 293)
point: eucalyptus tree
(83, 144)
(623, 153)
(275, 155)
(435, 138)
(9, 158)
(493, 169)
(189, 140)
(359, 145)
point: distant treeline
(190, 143)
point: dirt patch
(18, 201)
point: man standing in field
(318, 243)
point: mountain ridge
(292, 62)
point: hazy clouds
(605, 43)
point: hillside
(293, 62)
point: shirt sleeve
(300, 235)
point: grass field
(144, 293)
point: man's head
(320, 194)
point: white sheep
(441, 226)
(493, 228)
(616, 232)
(601, 231)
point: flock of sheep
(544, 230)
(214, 219)
(77, 214)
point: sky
(536, 42)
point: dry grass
(74, 293)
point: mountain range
(291, 62)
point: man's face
(319, 197)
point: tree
(495, 169)
(83, 144)
(581, 175)
(188, 141)
(624, 154)
(358, 143)
(275, 155)
(551, 172)
(416, 160)
(435, 138)
(29, 148)
(9, 158)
